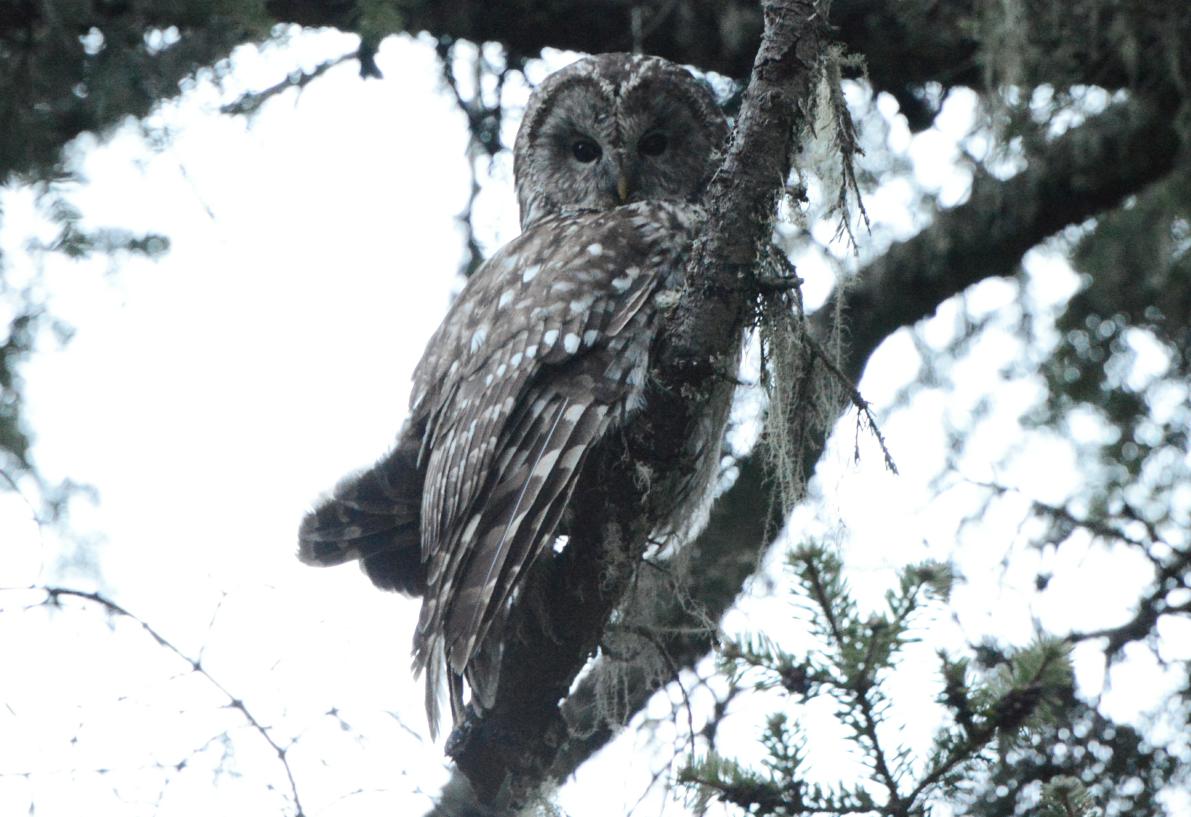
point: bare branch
(53, 597)
(251, 102)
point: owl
(544, 352)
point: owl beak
(618, 176)
(622, 187)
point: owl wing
(539, 353)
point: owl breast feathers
(546, 348)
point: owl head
(613, 129)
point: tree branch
(907, 45)
(1084, 172)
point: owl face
(613, 129)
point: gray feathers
(505, 450)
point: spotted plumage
(546, 348)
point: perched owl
(546, 349)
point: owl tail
(373, 516)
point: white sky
(212, 395)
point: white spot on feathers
(478, 337)
(572, 457)
(666, 299)
(470, 530)
(545, 464)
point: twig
(16, 489)
(251, 102)
(654, 639)
(483, 134)
(1170, 574)
(55, 594)
(777, 283)
(863, 407)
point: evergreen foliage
(992, 710)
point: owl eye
(585, 150)
(652, 144)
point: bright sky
(211, 396)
